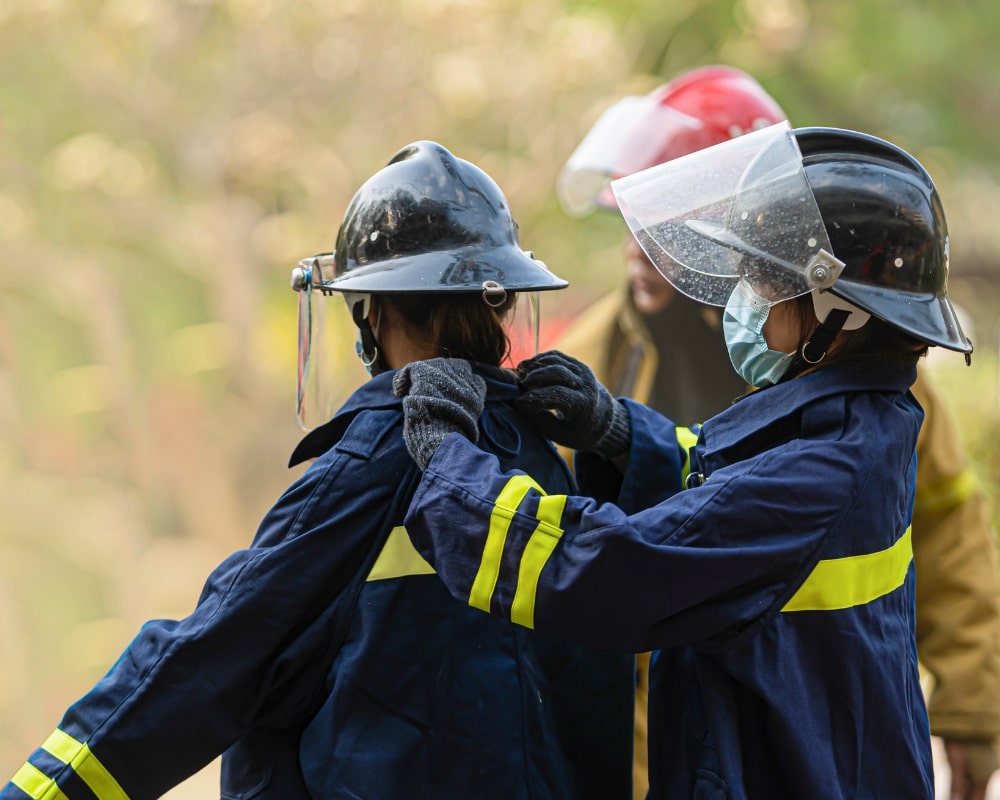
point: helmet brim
(930, 318)
(464, 269)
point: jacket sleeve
(677, 572)
(255, 651)
(958, 580)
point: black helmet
(431, 222)
(885, 221)
(797, 211)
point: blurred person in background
(327, 660)
(765, 556)
(654, 344)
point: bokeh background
(165, 163)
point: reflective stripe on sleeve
(839, 583)
(504, 509)
(687, 439)
(536, 553)
(36, 784)
(398, 558)
(78, 756)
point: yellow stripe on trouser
(536, 552)
(854, 581)
(78, 756)
(687, 439)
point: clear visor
(627, 137)
(523, 330)
(327, 368)
(742, 209)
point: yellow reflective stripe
(78, 755)
(507, 501)
(536, 553)
(687, 439)
(36, 784)
(853, 581)
(399, 558)
(946, 494)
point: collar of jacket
(375, 395)
(765, 413)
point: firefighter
(765, 556)
(656, 345)
(327, 660)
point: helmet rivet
(898, 262)
(812, 241)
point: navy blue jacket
(328, 660)
(778, 590)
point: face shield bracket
(314, 273)
(822, 270)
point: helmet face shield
(326, 369)
(311, 401)
(740, 210)
(522, 326)
(627, 137)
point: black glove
(440, 396)
(570, 406)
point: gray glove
(570, 406)
(440, 396)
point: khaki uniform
(958, 575)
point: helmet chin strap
(813, 351)
(371, 357)
(837, 315)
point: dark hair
(875, 341)
(458, 325)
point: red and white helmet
(696, 110)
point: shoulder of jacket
(358, 434)
(368, 429)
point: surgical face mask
(743, 326)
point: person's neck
(399, 351)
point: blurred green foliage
(165, 163)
